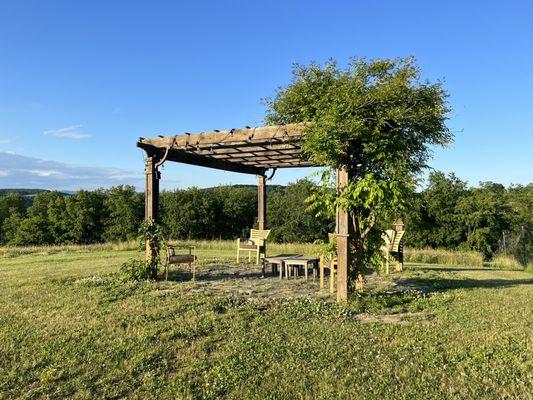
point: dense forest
(445, 214)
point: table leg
(306, 272)
(321, 267)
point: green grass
(444, 257)
(69, 328)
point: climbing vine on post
(377, 120)
(150, 236)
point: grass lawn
(69, 328)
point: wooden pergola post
(344, 256)
(261, 202)
(151, 196)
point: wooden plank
(235, 149)
(209, 162)
(343, 246)
(259, 134)
(279, 164)
(249, 153)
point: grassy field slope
(70, 328)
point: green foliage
(10, 203)
(137, 269)
(434, 217)
(125, 211)
(375, 119)
(289, 217)
(12, 211)
(482, 214)
(488, 219)
(149, 235)
(446, 214)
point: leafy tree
(483, 214)
(10, 204)
(290, 218)
(124, 213)
(238, 211)
(190, 214)
(36, 228)
(432, 219)
(58, 221)
(86, 213)
(10, 226)
(377, 120)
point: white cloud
(18, 171)
(5, 141)
(70, 132)
(43, 172)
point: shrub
(138, 270)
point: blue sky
(80, 81)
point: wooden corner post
(151, 196)
(261, 202)
(261, 213)
(344, 256)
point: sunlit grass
(70, 328)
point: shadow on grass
(184, 275)
(444, 268)
(442, 284)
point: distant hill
(22, 192)
(29, 194)
(242, 186)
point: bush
(138, 270)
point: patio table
(278, 260)
(302, 261)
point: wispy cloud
(70, 132)
(18, 171)
(5, 141)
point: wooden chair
(255, 244)
(393, 247)
(329, 261)
(173, 258)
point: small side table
(278, 261)
(302, 261)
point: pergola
(249, 151)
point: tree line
(446, 214)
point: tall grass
(443, 257)
(225, 249)
(505, 261)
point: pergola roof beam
(240, 150)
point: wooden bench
(393, 246)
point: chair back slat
(389, 236)
(397, 239)
(259, 234)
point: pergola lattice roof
(249, 150)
